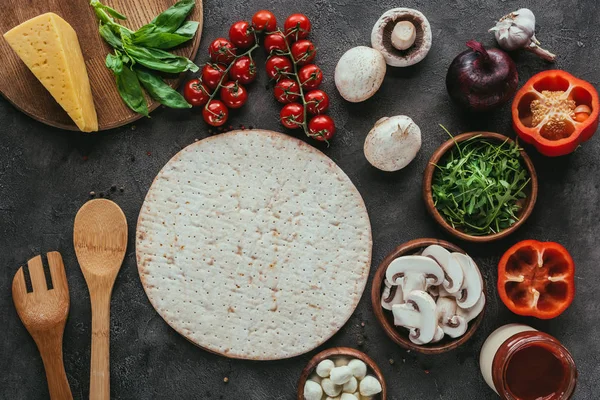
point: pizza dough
(254, 245)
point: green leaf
(131, 91)
(189, 29)
(160, 60)
(110, 37)
(160, 40)
(114, 63)
(172, 18)
(160, 91)
(107, 11)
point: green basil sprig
(139, 57)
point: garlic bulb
(517, 31)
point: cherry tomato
(321, 127)
(234, 95)
(297, 26)
(243, 70)
(221, 50)
(241, 34)
(212, 74)
(215, 113)
(196, 93)
(317, 101)
(286, 90)
(292, 115)
(264, 20)
(276, 65)
(275, 41)
(310, 76)
(303, 52)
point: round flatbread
(254, 245)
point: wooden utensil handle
(52, 356)
(100, 365)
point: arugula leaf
(131, 91)
(160, 60)
(160, 91)
(172, 18)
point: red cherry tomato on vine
(277, 66)
(241, 34)
(233, 95)
(286, 90)
(310, 76)
(303, 52)
(243, 70)
(215, 113)
(292, 115)
(317, 101)
(221, 50)
(275, 41)
(264, 20)
(297, 26)
(212, 74)
(321, 127)
(196, 93)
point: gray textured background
(47, 174)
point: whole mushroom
(359, 73)
(393, 143)
(403, 36)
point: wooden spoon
(44, 313)
(100, 239)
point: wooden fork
(44, 313)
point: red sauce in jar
(536, 373)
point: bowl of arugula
(480, 186)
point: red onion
(480, 79)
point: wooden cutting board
(19, 86)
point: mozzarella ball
(340, 375)
(351, 386)
(324, 368)
(330, 388)
(370, 386)
(312, 391)
(359, 369)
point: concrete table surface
(46, 174)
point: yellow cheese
(48, 45)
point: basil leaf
(114, 63)
(172, 18)
(189, 29)
(160, 91)
(110, 37)
(161, 40)
(106, 11)
(160, 60)
(131, 91)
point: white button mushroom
(386, 28)
(351, 386)
(359, 369)
(453, 273)
(330, 388)
(392, 294)
(414, 273)
(324, 368)
(404, 35)
(340, 375)
(348, 396)
(312, 391)
(472, 287)
(370, 386)
(359, 73)
(392, 143)
(418, 315)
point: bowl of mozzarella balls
(341, 373)
(429, 296)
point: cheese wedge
(48, 45)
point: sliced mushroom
(418, 315)
(359, 73)
(451, 323)
(472, 286)
(439, 335)
(453, 273)
(414, 273)
(392, 294)
(385, 33)
(471, 313)
(393, 143)
(434, 292)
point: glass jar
(521, 363)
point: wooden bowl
(385, 317)
(531, 190)
(334, 352)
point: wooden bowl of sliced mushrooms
(342, 373)
(429, 296)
